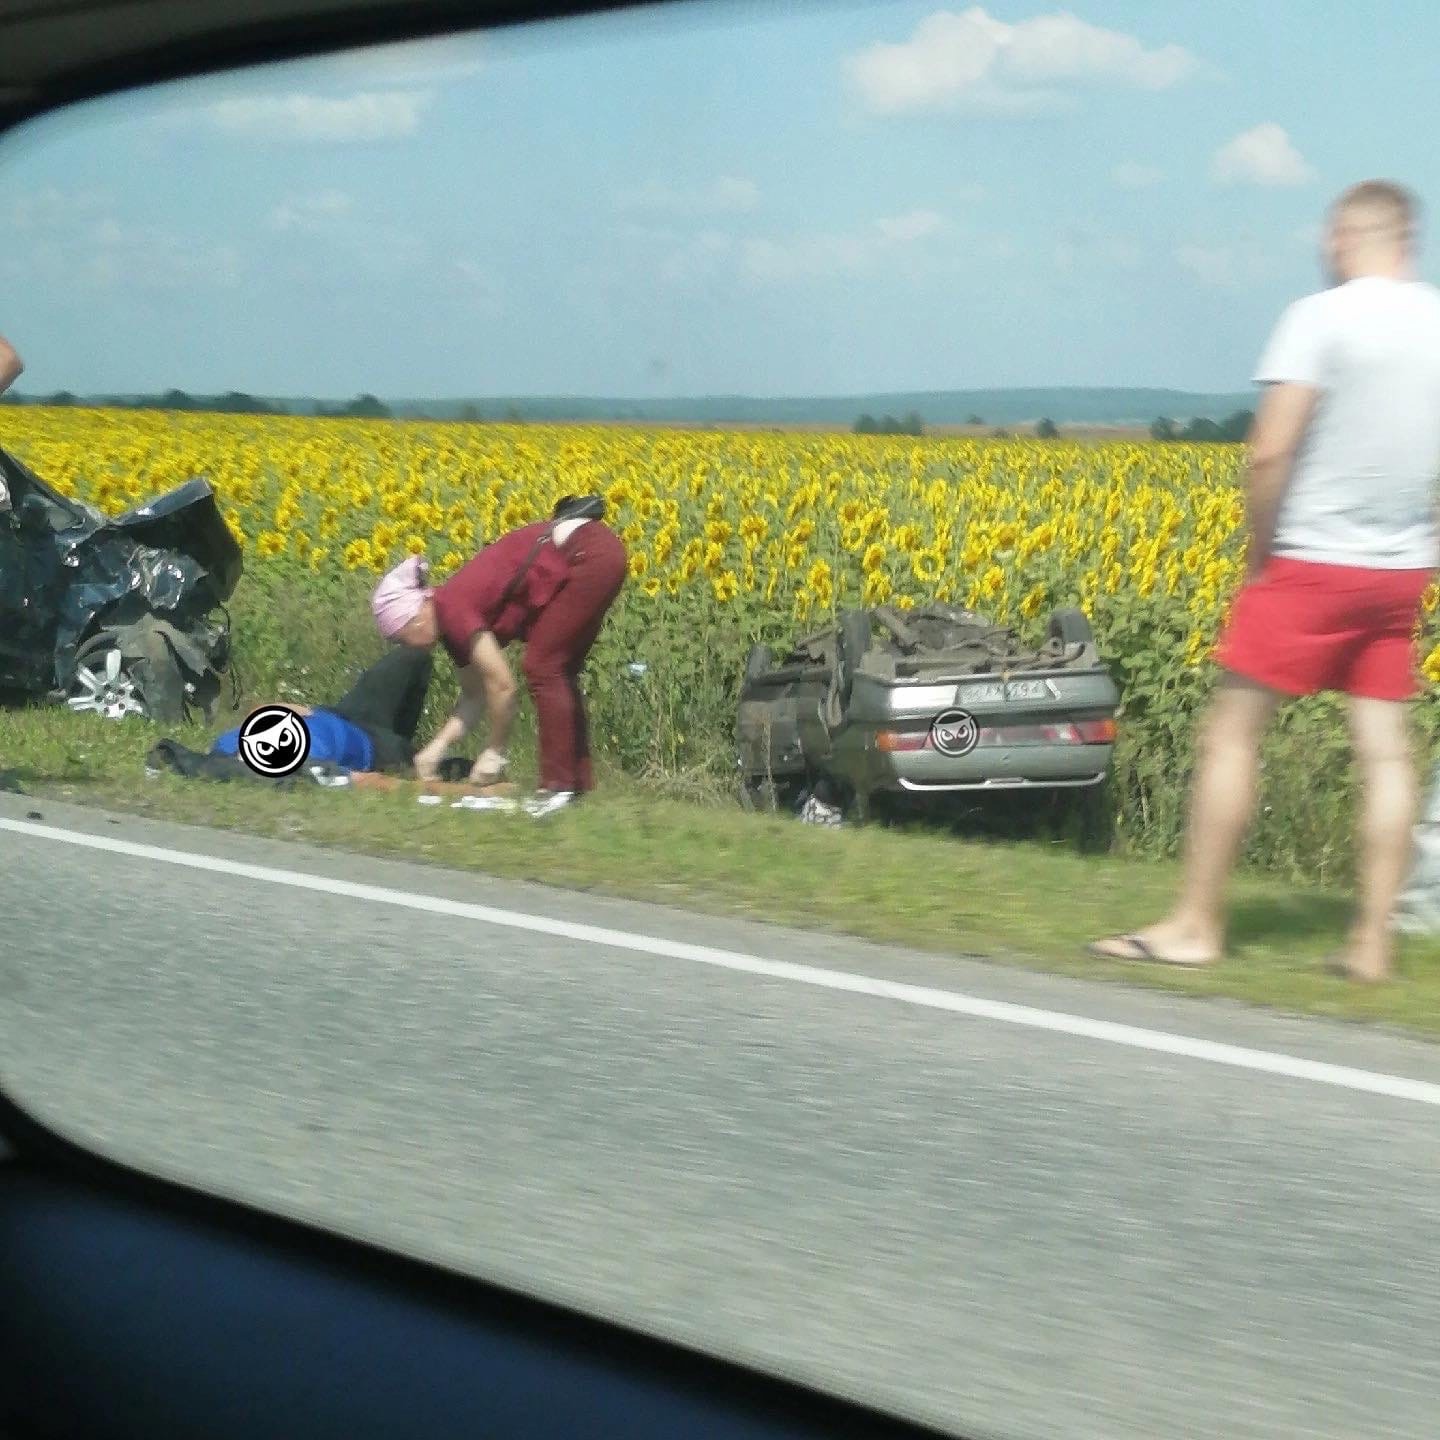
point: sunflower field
(734, 538)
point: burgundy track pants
(556, 648)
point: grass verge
(1024, 902)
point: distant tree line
(233, 402)
(912, 424)
(362, 407)
(236, 402)
(1199, 432)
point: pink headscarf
(399, 596)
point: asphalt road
(1014, 1231)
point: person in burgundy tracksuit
(549, 584)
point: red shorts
(1302, 627)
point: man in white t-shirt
(1342, 513)
(11, 367)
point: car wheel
(105, 682)
(130, 671)
(1071, 626)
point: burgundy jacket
(469, 601)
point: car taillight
(1097, 732)
(893, 740)
(1062, 732)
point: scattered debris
(814, 811)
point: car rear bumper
(989, 767)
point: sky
(720, 198)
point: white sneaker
(547, 802)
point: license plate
(997, 693)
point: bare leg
(1221, 806)
(1380, 734)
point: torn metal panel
(77, 586)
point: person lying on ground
(11, 365)
(369, 731)
(370, 728)
(551, 585)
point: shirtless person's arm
(11, 365)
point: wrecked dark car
(925, 703)
(116, 615)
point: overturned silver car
(926, 702)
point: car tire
(1071, 626)
(129, 673)
(105, 680)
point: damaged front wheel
(104, 682)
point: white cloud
(915, 225)
(413, 62)
(327, 227)
(367, 116)
(311, 214)
(972, 61)
(709, 254)
(1226, 265)
(1094, 248)
(72, 242)
(730, 194)
(704, 257)
(1130, 175)
(1264, 155)
(1213, 264)
(823, 254)
(805, 257)
(52, 209)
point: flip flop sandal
(1334, 965)
(1143, 952)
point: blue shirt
(331, 738)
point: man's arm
(11, 366)
(1275, 438)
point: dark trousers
(386, 702)
(558, 642)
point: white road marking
(1396, 1087)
